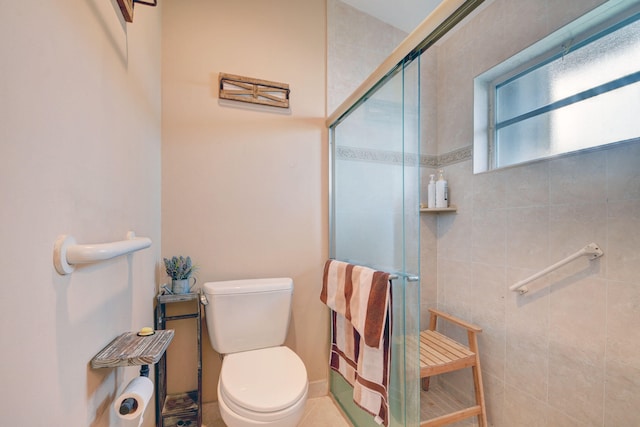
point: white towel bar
(66, 253)
(592, 250)
(392, 276)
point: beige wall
(80, 155)
(566, 354)
(244, 188)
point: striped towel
(360, 300)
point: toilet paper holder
(130, 404)
(134, 349)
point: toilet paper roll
(140, 390)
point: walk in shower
(375, 172)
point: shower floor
(437, 401)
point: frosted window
(582, 94)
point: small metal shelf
(169, 298)
(180, 409)
(180, 403)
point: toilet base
(290, 419)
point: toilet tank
(248, 314)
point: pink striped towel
(360, 300)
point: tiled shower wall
(566, 354)
(356, 44)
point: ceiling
(402, 14)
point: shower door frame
(404, 403)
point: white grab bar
(592, 250)
(66, 253)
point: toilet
(262, 382)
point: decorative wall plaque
(255, 91)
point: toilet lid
(265, 380)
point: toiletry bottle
(442, 191)
(431, 192)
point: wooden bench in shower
(440, 354)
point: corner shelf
(129, 349)
(452, 208)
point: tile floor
(319, 412)
(322, 411)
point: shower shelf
(450, 209)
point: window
(582, 93)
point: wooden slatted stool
(440, 354)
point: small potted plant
(180, 270)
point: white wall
(80, 155)
(245, 188)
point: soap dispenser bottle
(431, 192)
(442, 191)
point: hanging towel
(359, 298)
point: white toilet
(262, 382)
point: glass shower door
(375, 222)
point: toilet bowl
(262, 382)
(266, 387)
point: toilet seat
(265, 384)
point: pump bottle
(442, 191)
(431, 192)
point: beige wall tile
(527, 339)
(489, 236)
(623, 395)
(518, 35)
(528, 185)
(576, 386)
(573, 226)
(521, 409)
(623, 240)
(623, 323)
(488, 309)
(356, 44)
(623, 174)
(490, 48)
(489, 191)
(560, 419)
(578, 179)
(562, 13)
(494, 397)
(578, 320)
(489, 292)
(429, 102)
(455, 277)
(527, 237)
(454, 236)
